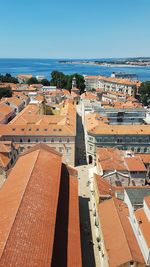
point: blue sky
(75, 28)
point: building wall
(138, 144)
(140, 238)
(146, 210)
(91, 84)
(64, 145)
(123, 88)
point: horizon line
(72, 58)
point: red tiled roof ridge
(123, 204)
(123, 232)
(21, 197)
(41, 146)
(116, 202)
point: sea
(44, 67)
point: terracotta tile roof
(100, 128)
(34, 124)
(13, 100)
(145, 157)
(135, 164)
(114, 215)
(65, 92)
(114, 80)
(89, 95)
(5, 147)
(2, 118)
(5, 109)
(74, 245)
(28, 204)
(4, 160)
(104, 187)
(144, 225)
(111, 159)
(37, 189)
(93, 120)
(119, 81)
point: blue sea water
(46, 66)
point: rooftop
(30, 201)
(136, 195)
(114, 215)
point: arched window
(20, 140)
(29, 140)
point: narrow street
(90, 253)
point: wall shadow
(59, 257)
(88, 259)
(80, 151)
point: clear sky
(74, 28)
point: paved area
(90, 253)
(80, 153)
(89, 244)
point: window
(29, 140)
(68, 149)
(20, 140)
(44, 139)
(36, 139)
(37, 129)
(52, 140)
(60, 140)
(22, 129)
(68, 140)
(60, 149)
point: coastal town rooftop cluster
(39, 127)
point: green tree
(5, 92)
(45, 82)
(144, 91)
(8, 78)
(61, 80)
(32, 80)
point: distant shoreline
(105, 64)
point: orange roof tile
(144, 225)
(135, 164)
(89, 95)
(145, 157)
(100, 128)
(74, 246)
(114, 215)
(28, 203)
(4, 160)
